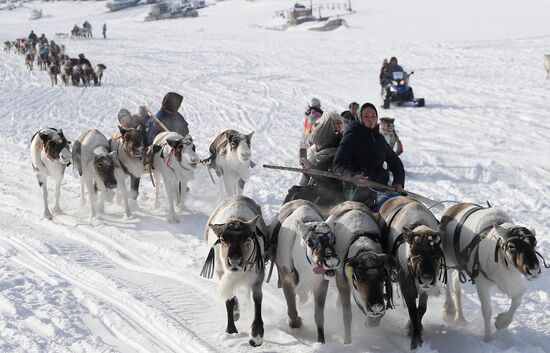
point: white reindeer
(95, 164)
(305, 258)
(493, 251)
(176, 160)
(230, 157)
(98, 72)
(50, 156)
(237, 234)
(364, 271)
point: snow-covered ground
(120, 285)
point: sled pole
(154, 116)
(353, 180)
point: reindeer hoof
(231, 329)
(416, 342)
(256, 341)
(58, 211)
(296, 323)
(48, 215)
(502, 321)
(488, 338)
(173, 219)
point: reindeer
(299, 229)
(365, 269)
(29, 60)
(75, 75)
(7, 46)
(66, 72)
(86, 74)
(413, 240)
(487, 245)
(230, 158)
(174, 158)
(95, 164)
(53, 71)
(128, 144)
(237, 235)
(50, 155)
(98, 73)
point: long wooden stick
(156, 119)
(353, 180)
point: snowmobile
(398, 91)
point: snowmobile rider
(382, 75)
(362, 153)
(169, 116)
(390, 69)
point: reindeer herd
(52, 58)
(368, 254)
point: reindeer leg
(230, 322)
(503, 320)
(169, 185)
(288, 283)
(320, 296)
(458, 294)
(449, 311)
(121, 187)
(258, 324)
(134, 187)
(157, 191)
(44, 185)
(82, 197)
(408, 290)
(102, 190)
(483, 291)
(56, 207)
(422, 306)
(92, 197)
(344, 293)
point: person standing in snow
(313, 113)
(362, 153)
(383, 72)
(104, 31)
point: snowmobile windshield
(398, 75)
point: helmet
(81, 56)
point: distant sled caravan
(175, 159)
(50, 155)
(237, 235)
(230, 156)
(492, 250)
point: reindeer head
(56, 145)
(519, 248)
(319, 240)
(184, 151)
(104, 165)
(132, 141)
(238, 243)
(369, 273)
(239, 144)
(425, 254)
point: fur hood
(171, 102)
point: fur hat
(171, 102)
(315, 102)
(323, 131)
